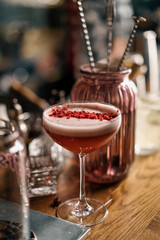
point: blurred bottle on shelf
(148, 83)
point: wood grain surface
(134, 212)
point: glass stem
(82, 207)
(82, 158)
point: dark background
(42, 45)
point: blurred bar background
(42, 45)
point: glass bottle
(14, 201)
(111, 162)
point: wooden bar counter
(134, 212)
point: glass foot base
(97, 214)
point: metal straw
(86, 35)
(132, 35)
(110, 20)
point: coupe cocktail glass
(82, 128)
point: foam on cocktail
(75, 127)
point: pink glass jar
(110, 163)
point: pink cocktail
(82, 128)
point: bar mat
(45, 226)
